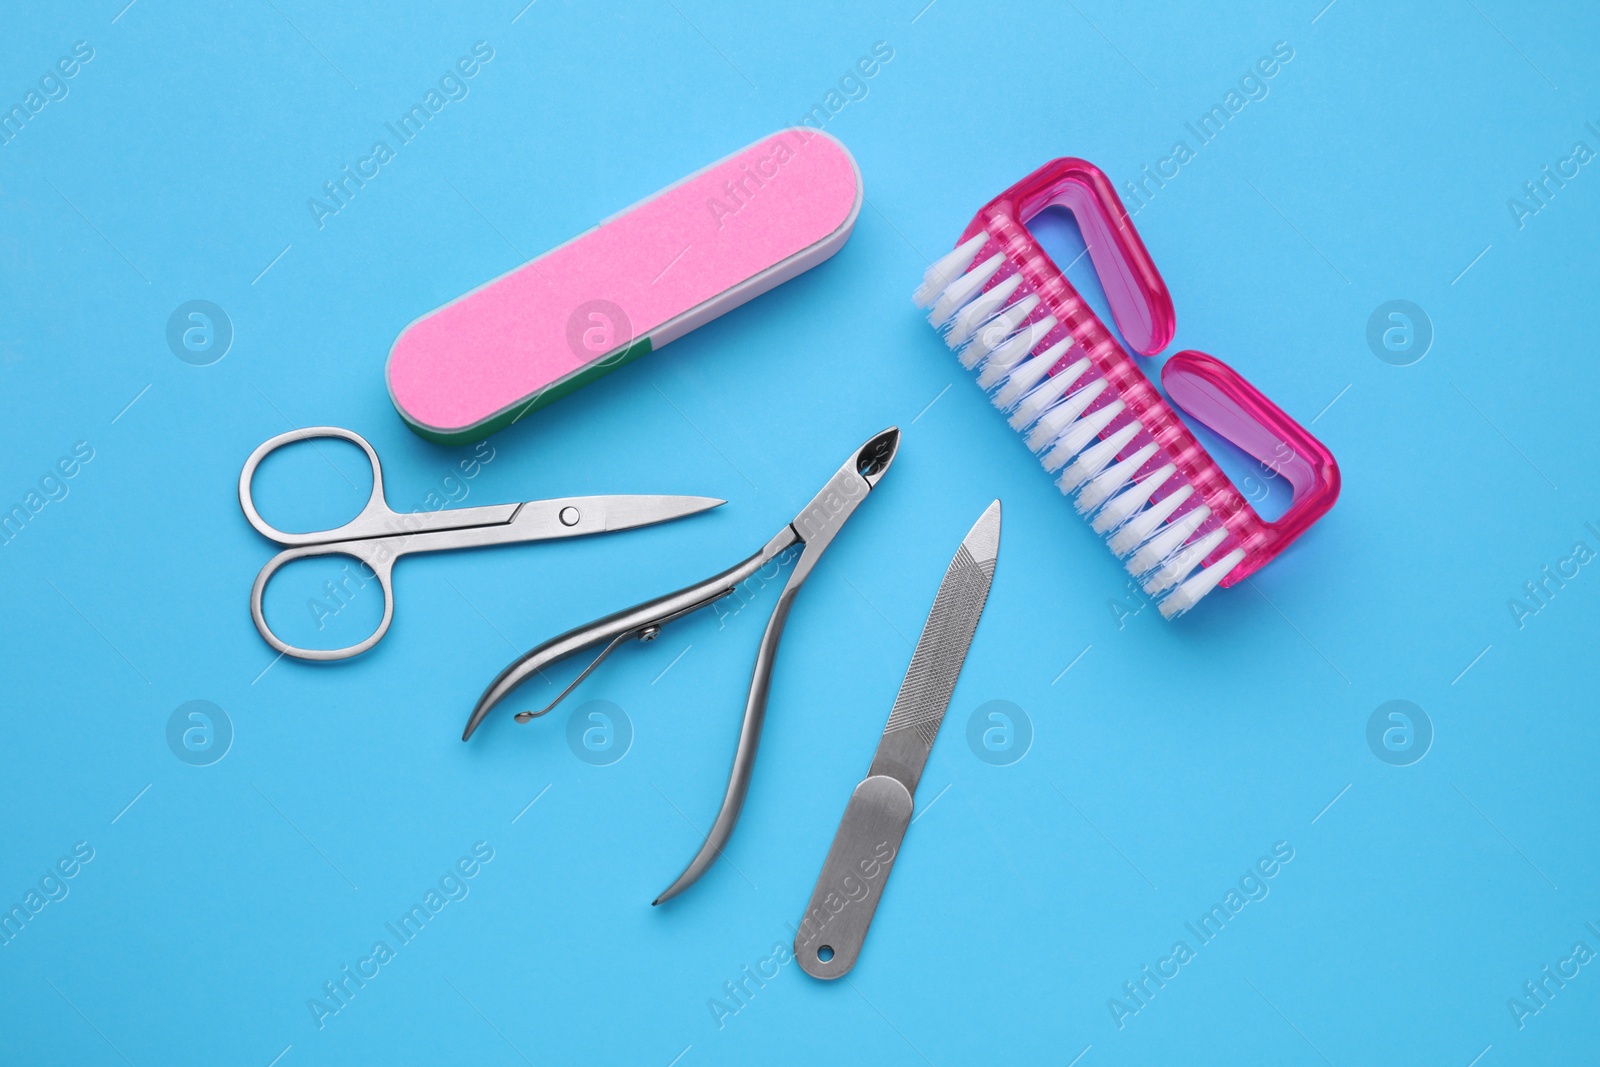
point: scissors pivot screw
(650, 633)
(570, 516)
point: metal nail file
(853, 877)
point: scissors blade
(626, 512)
(571, 516)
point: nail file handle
(853, 877)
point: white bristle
(1014, 351)
(1095, 459)
(1143, 525)
(1112, 479)
(1189, 593)
(1024, 376)
(998, 332)
(963, 289)
(975, 314)
(1061, 416)
(1047, 392)
(946, 270)
(1158, 548)
(1124, 505)
(1053, 411)
(1078, 436)
(1178, 567)
(994, 333)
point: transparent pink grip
(1220, 398)
(1139, 299)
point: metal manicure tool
(379, 535)
(835, 923)
(813, 529)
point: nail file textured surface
(638, 280)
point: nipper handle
(744, 756)
(641, 621)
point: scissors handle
(375, 517)
(374, 560)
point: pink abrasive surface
(656, 262)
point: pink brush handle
(1207, 388)
(1138, 295)
(1216, 394)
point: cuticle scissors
(378, 535)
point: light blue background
(1165, 761)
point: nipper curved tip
(873, 458)
(480, 711)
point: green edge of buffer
(548, 395)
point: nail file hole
(825, 953)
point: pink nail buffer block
(641, 278)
